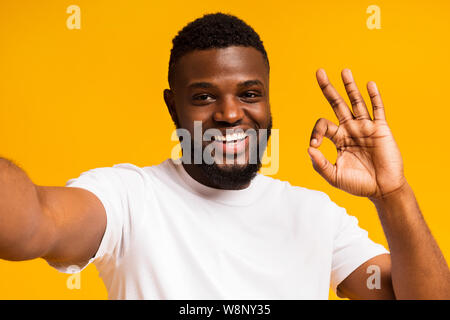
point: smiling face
(225, 89)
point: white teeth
(231, 137)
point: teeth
(231, 137)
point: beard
(237, 175)
(233, 178)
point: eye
(251, 95)
(202, 98)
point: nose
(229, 111)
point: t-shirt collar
(243, 197)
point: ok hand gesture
(368, 161)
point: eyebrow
(207, 85)
(250, 83)
(201, 85)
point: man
(199, 230)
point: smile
(231, 138)
(231, 144)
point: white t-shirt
(170, 237)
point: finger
(359, 106)
(323, 128)
(377, 103)
(338, 104)
(322, 165)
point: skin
(224, 89)
(368, 164)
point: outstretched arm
(59, 224)
(369, 164)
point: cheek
(188, 115)
(260, 115)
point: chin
(230, 176)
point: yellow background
(73, 100)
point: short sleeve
(117, 188)
(352, 247)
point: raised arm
(369, 164)
(59, 224)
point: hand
(369, 163)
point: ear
(169, 99)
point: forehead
(212, 65)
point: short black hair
(215, 30)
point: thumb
(322, 165)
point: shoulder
(313, 206)
(118, 176)
(293, 192)
(116, 169)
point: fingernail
(350, 73)
(374, 85)
(314, 141)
